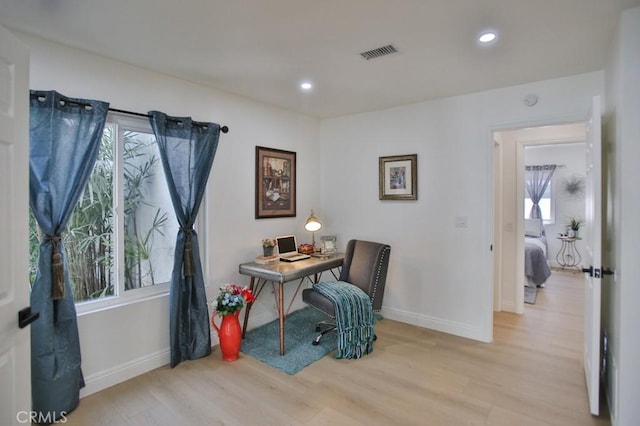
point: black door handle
(26, 317)
(597, 272)
(607, 271)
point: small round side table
(568, 256)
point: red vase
(230, 335)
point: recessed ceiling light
(306, 85)
(487, 37)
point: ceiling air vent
(380, 51)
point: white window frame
(121, 297)
(552, 204)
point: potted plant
(574, 226)
(228, 305)
(268, 245)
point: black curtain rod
(223, 129)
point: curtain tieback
(57, 268)
(187, 258)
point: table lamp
(312, 225)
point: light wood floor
(531, 375)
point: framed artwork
(275, 183)
(398, 176)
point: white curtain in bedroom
(536, 180)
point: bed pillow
(533, 227)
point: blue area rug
(263, 343)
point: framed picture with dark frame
(398, 177)
(275, 183)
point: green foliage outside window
(89, 240)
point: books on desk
(267, 260)
(322, 255)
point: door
(15, 366)
(593, 243)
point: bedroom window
(546, 203)
(120, 239)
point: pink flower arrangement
(268, 242)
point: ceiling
(263, 49)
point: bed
(536, 263)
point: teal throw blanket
(354, 317)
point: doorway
(561, 144)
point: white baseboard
(104, 379)
(120, 373)
(508, 306)
(438, 324)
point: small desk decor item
(312, 225)
(398, 177)
(306, 248)
(275, 183)
(228, 305)
(268, 244)
(328, 244)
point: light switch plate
(462, 222)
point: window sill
(114, 302)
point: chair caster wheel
(315, 343)
(318, 329)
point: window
(120, 239)
(546, 203)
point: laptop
(288, 249)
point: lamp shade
(313, 223)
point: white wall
(440, 276)
(120, 342)
(621, 293)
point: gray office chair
(365, 265)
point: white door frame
(498, 221)
(497, 224)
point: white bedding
(538, 242)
